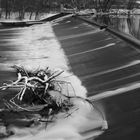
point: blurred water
(35, 48)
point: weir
(107, 63)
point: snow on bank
(14, 17)
(37, 47)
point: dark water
(127, 24)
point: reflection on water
(124, 23)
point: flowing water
(37, 47)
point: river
(96, 62)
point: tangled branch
(41, 92)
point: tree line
(106, 5)
(7, 7)
(39, 6)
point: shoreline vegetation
(15, 16)
(28, 17)
(38, 9)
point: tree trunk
(30, 17)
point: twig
(53, 76)
(39, 84)
(69, 114)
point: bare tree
(131, 4)
(105, 5)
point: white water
(38, 47)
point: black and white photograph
(69, 69)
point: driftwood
(39, 93)
(43, 86)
